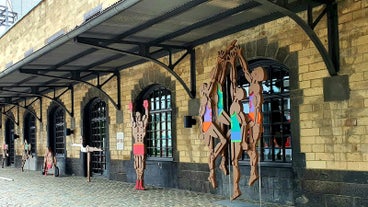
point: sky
(21, 7)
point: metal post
(6, 17)
(192, 73)
(88, 166)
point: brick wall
(333, 134)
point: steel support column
(333, 34)
(193, 84)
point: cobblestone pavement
(30, 188)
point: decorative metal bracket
(5, 112)
(330, 57)
(76, 77)
(143, 53)
(26, 107)
(34, 92)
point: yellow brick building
(71, 69)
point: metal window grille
(59, 131)
(159, 131)
(98, 135)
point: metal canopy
(135, 31)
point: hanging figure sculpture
(139, 126)
(239, 126)
(210, 130)
(238, 132)
(213, 114)
(26, 154)
(255, 114)
(244, 130)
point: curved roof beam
(308, 30)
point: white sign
(120, 140)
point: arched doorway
(56, 136)
(29, 134)
(9, 140)
(95, 135)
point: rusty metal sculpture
(26, 154)
(214, 116)
(255, 114)
(49, 160)
(4, 154)
(87, 149)
(139, 126)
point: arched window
(30, 131)
(159, 139)
(275, 144)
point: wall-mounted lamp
(16, 136)
(69, 131)
(189, 121)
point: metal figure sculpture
(238, 131)
(26, 154)
(214, 115)
(255, 114)
(139, 126)
(87, 149)
(210, 130)
(48, 161)
(239, 125)
(4, 154)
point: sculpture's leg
(236, 150)
(253, 155)
(253, 168)
(211, 165)
(23, 163)
(141, 185)
(141, 171)
(136, 171)
(224, 157)
(221, 145)
(213, 131)
(223, 165)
